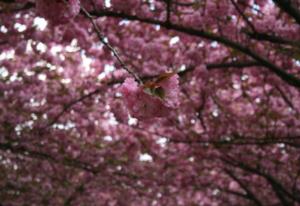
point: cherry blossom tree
(149, 102)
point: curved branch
(286, 6)
(232, 64)
(282, 193)
(249, 193)
(111, 48)
(21, 150)
(253, 141)
(272, 39)
(285, 76)
(69, 105)
(243, 15)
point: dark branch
(286, 6)
(112, 49)
(285, 98)
(71, 104)
(77, 191)
(184, 4)
(233, 64)
(250, 194)
(288, 78)
(273, 39)
(8, 1)
(281, 192)
(285, 76)
(243, 15)
(168, 5)
(253, 141)
(44, 156)
(15, 7)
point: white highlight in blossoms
(162, 141)
(145, 158)
(40, 23)
(174, 40)
(19, 27)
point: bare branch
(234, 64)
(273, 39)
(286, 6)
(246, 141)
(285, 76)
(243, 15)
(113, 50)
(168, 5)
(44, 156)
(281, 192)
(250, 194)
(69, 105)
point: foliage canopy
(149, 102)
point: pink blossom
(58, 11)
(225, 137)
(145, 104)
(124, 6)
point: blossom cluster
(149, 101)
(58, 11)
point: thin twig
(168, 5)
(265, 141)
(287, 6)
(243, 15)
(235, 64)
(69, 105)
(113, 50)
(265, 62)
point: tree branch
(69, 105)
(286, 6)
(15, 7)
(245, 142)
(113, 50)
(278, 188)
(272, 39)
(232, 64)
(243, 15)
(168, 5)
(77, 191)
(285, 76)
(250, 194)
(44, 156)
(285, 98)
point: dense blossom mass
(58, 11)
(150, 102)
